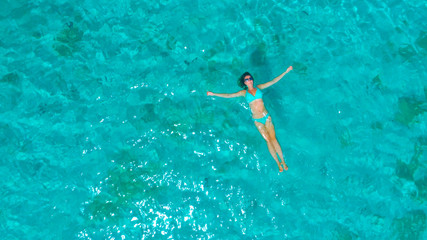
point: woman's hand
(289, 69)
(210, 93)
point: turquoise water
(107, 133)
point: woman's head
(244, 78)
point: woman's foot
(280, 168)
(285, 166)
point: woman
(259, 114)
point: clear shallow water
(107, 133)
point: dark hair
(241, 81)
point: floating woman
(259, 114)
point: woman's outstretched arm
(227, 95)
(275, 80)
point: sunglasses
(249, 79)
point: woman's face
(248, 80)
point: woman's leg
(262, 129)
(272, 133)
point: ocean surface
(106, 131)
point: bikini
(250, 98)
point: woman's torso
(256, 103)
